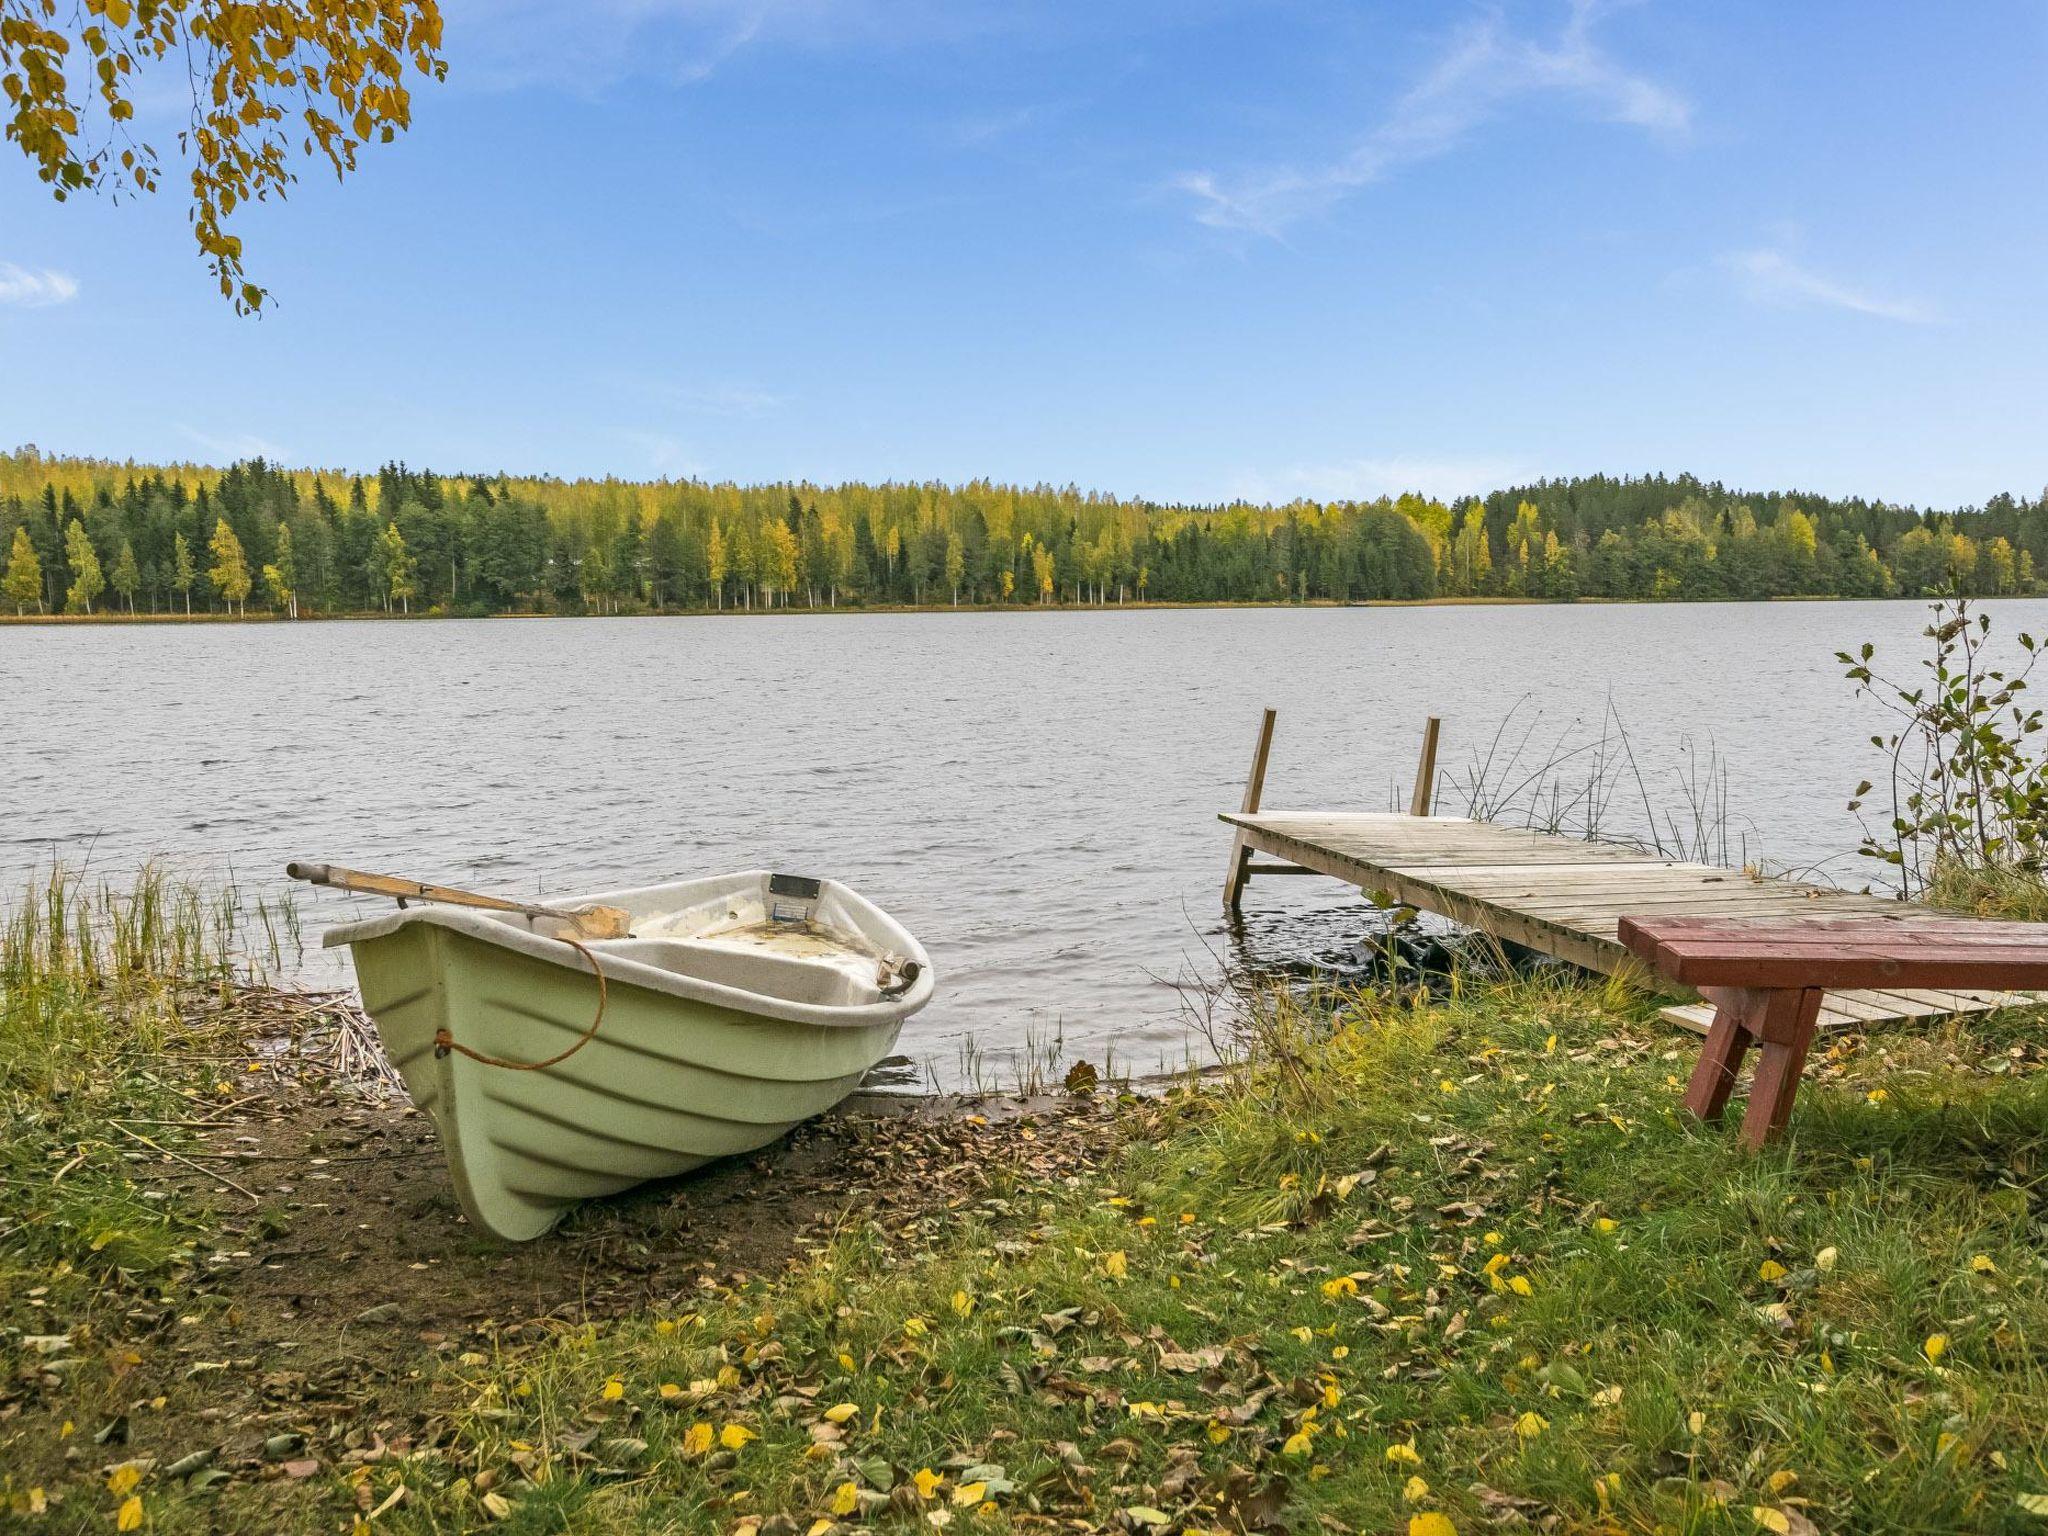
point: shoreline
(82, 620)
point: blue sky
(1178, 248)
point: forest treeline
(90, 536)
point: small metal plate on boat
(792, 898)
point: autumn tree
(281, 576)
(87, 580)
(229, 572)
(399, 569)
(778, 568)
(183, 572)
(714, 561)
(956, 564)
(24, 579)
(267, 82)
(127, 574)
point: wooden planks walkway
(1563, 896)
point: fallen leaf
(129, 1516)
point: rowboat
(558, 1067)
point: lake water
(1033, 794)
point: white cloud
(35, 290)
(1769, 276)
(1368, 479)
(237, 445)
(1485, 69)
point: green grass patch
(1461, 1262)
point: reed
(113, 999)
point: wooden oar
(588, 922)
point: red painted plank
(1852, 972)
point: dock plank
(1566, 897)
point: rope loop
(445, 1042)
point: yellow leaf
(670, 1391)
(969, 1494)
(1605, 1224)
(697, 1440)
(122, 1480)
(1343, 1285)
(1778, 1482)
(1980, 1264)
(1497, 1263)
(1430, 1523)
(1824, 1261)
(129, 1517)
(735, 1436)
(1218, 1433)
(1116, 1266)
(927, 1482)
(962, 1303)
(1414, 1491)
(665, 1325)
(1936, 1346)
(1522, 1286)
(1530, 1425)
(915, 1327)
(2033, 1503)
(1404, 1455)
(613, 1390)
(1297, 1444)
(839, 1413)
(1696, 1421)
(1770, 1519)
(845, 1499)
(1770, 1270)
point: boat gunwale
(623, 970)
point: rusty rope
(445, 1042)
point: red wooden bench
(1765, 977)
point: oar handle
(591, 922)
(412, 890)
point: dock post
(1425, 771)
(1239, 871)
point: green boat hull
(667, 1084)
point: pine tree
(24, 579)
(127, 574)
(183, 572)
(87, 581)
(229, 572)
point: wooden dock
(1558, 895)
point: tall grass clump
(109, 997)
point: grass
(1457, 1261)
(1461, 1260)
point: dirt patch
(340, 1267)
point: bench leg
(1785, 1031)
(1727, 1042)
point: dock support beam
(1425, 771)
(1239, 869)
